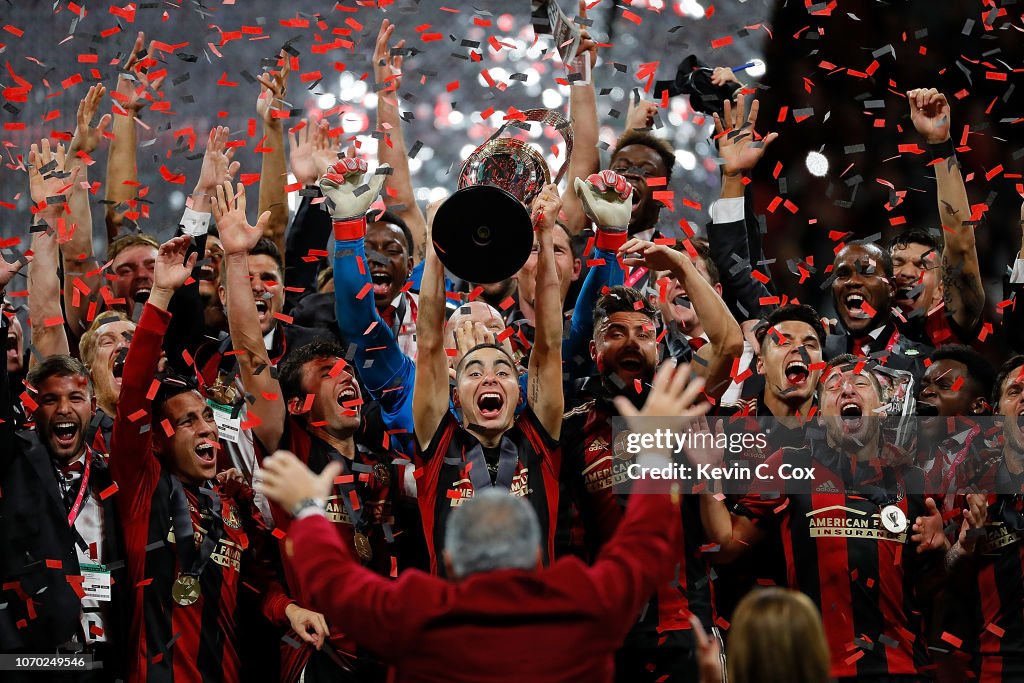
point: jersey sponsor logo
(605, 473)
(830, 522)
(462, 490)
(378, 510)
(228, 554)
(998, 536)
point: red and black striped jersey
(986, 589)
(443, 478)
(173, 642)
(863, 577)
(591, 470)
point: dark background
(950, 45)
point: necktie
(72, 474)
(858, 347)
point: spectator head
(103, 348)
(640, 157)
(266, 278)
(567, 266)
(1008, 399)
(209, 271)
(62, 390)
(317, 382)
(487, 391)
(132, 261)
(15, 340)
(792, 339)
(776, 637)
(190, 450)
(675, 306)
(491, 531)
(475, 312)
(850, 402)
(625, 342)
(915, 266)
(958, 381)
(389, 246)
(862, 288)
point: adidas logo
(827, 487)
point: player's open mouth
(797, 373)
(852, 414)
(65, 432)
(381, 282)
(262, 308)
(490, 404)
(631, 362)
(141, 295)
(206, 452)
(347, 394)
(855, 305)
(206, 272)
(927, 410)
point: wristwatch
(307, 503)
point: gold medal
(185, 590)
(383, 474)
(362, 545)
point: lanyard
(190, 560)
(82, 487)
(635, 276)
(508, 458)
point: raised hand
(274, 88)
(387, 68)
(674, 397)
(236, 235)
(709, 656)
(975, 516)
(47, 178)
(640, 116)
(546, 207)
(929, 112)
(286, 481)
(588, 46)
(654, 256)
(928, 531)
(606, 199)
(171, 269)
(134, 79)
(8, 269)
(306, 149)
(218, 165)
(736, 145)
(341, 185)
(722, 75)
(87, 137)
(324, 151)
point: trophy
(483, 232)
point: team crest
(232, 518)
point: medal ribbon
(181, 518)
(83, 486)
(507, 460)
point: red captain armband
(610, 241)
(349, 228)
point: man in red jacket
(503, 617)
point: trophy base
(483, 234)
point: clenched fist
(606, 198)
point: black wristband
(942, 150)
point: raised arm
(585, 158)
(724, 336)
(310, 154)
(962, 289)
(9, 267)
(398, 196)
(238, 238)
(727, 236)
(82, 275)
(273, 173)
(51, 188)
(132, 463)
(122, 169)
(545, 371)
(431, 394)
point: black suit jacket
(905, 354)
(34, 530)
